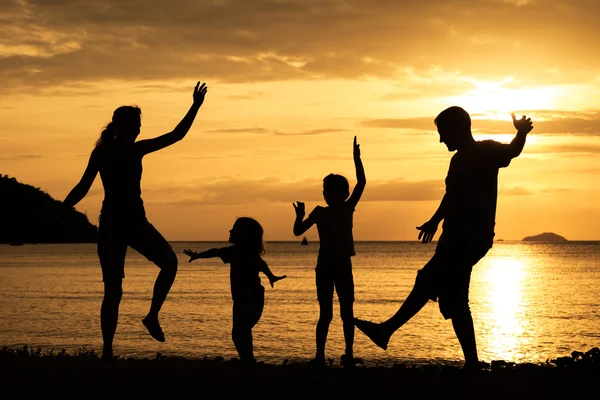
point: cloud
(224, 191)
(47, 43)
(544, 121)
(523, 191)
(230, 191)
(251, 95)
(240, 130)
(21, 157)
(400, 123)
(434, 81)
(577, 148)
(264, 131)
(311, 132)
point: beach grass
(82, 374)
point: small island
(546, 237)
(30, 215)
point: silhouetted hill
(545, 237)
(29, 215)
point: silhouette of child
(246, 290)
(336, 247)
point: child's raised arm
(301, 225)
(205, 254)
(361, 179)
(264, 268)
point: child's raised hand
(356, 148)
(193, 255)
(274, 279)
(300, 209)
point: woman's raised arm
(162, 141)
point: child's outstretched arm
(301, 225)
(361, 179)
(272, 278)
(205, 254)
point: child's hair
(335, 187)
(250, 234)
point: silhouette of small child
(334, 265)
(246, 290)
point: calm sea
(529, 302)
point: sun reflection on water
(504, 335)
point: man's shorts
(446, 277)
(115, 234)
(336, 274)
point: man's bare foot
(154, 328)
(376, 332)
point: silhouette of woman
(118, 158)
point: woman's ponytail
(108, 134)
(123, 116)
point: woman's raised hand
(199, 93)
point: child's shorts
(336, 274)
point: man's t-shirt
(472, 192)
(334, 225)
(243, 274)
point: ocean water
(530, 301)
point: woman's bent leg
(151, 244)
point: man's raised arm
(524, 126)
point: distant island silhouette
(545, 237)
(30, 215)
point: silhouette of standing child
(246, 290)
(336, 247)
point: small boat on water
(304, 241)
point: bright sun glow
(505, 299)
(498, 98)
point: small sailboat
(304, 241)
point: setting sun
(497, 98)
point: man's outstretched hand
(428, 229)
(523, 125)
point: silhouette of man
(468, 209)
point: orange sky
(290, 84)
